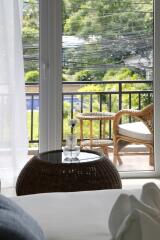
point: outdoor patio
(134, 163)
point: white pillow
(119, 211)
(123, 207)
(151, 195)
(138, 226)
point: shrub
(94, 88)
(32, 76)
(66, 109)
(121, 74)
(89, 75)
(91, 88)
(110, 74)
(64, 77)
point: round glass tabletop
(58, 157)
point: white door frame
(50, 75)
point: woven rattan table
(103, 143)
(50, 172)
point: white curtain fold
(13, 129)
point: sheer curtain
(13, 129)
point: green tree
(113, 30)
(102, 18)
(30, 35)
(30, 22)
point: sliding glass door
(97, 57)
(108, 66)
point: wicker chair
(139, 132)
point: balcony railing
(86, 101)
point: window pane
(31, 67)
(108, 65)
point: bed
(73, 216)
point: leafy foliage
(89, 75)
(32, 76)
(121, 74)
(31, 22)
(30, 35)
(94, 17)
(113, 30)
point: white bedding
(73, 216)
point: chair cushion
(136, 130)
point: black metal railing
(76, 101)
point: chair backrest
(147, 116)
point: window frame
(50, 115)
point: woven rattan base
(39, 176)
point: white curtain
(13, 130)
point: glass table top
(57, 157)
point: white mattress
(73, 216)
